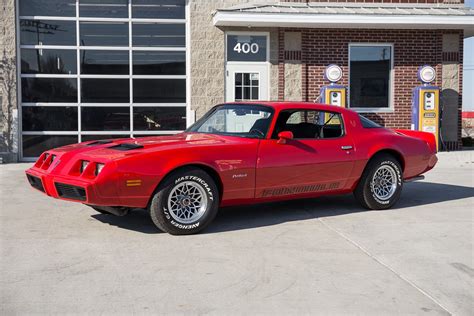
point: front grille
(70, 191)
(35, 182)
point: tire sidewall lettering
(198, 180)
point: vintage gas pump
(425, 104)
(333, 94)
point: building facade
(78, 70)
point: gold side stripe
(133, 184)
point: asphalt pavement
(320, 256)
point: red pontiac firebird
(238, 153)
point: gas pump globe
(333, 94)
(425, 103)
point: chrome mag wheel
(187, 202)
(384, 182)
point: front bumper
(68, 188)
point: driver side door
(318, 159)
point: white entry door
(246, 82)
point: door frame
(244, 63)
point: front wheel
(185, 203)
(381, 183)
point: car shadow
(268, 214)
(137, 220)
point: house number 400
(246, 48)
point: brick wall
(412, 48)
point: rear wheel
(185, 203)
(381, 183)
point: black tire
(167, 220)
(365, 192)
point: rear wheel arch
(391, 152)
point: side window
(309, 124)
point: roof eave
(305, 20)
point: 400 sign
(246, 48)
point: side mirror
(284, 136)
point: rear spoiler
(429, 138)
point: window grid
(253, 86)
(78, 76)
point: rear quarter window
(366, 123)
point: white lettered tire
(186, 202)
(381, 183)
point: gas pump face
(335, 98)
(429, 103)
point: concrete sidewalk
(322, 256)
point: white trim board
(381, 21)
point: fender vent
(126, 146)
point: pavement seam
(386, 266)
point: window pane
(48, 7)
(159, 63)
(86, 138)
(109, 62)
(49, 89)
(49, 118)
(35, 145)
(104, 34)
(105, 90)
(238, 78)
(165, 35)
(158, 9)
(103, 8)
(159, 90)
(254, 93)
(309, 124)
(159, 118)
(370, 76)
(48, 61)
(105, 118)
(47, 32)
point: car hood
(117, 148)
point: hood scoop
(126, 146)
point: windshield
(244, 120)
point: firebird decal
(240, 175)
(300, 189)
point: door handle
(347, 147)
